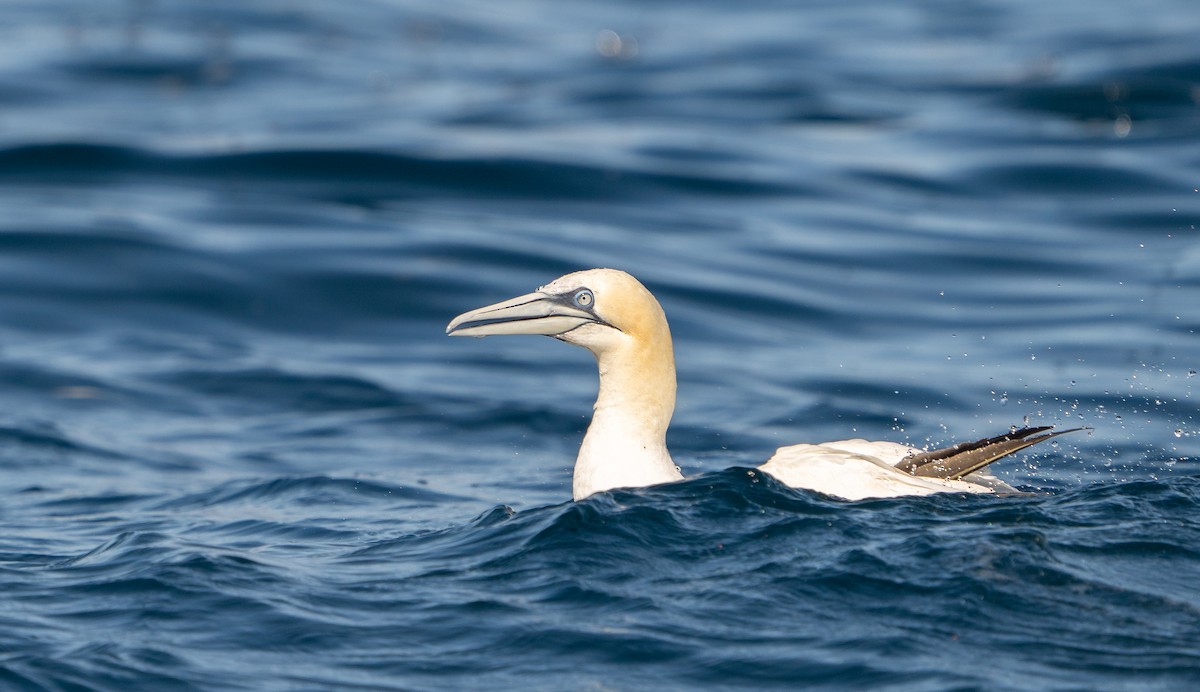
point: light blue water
(238, 452)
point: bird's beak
(532, 313)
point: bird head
(599, 309)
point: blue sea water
(238, 452)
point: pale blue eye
(583, 298)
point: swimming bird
(611, 314)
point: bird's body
(612, 315)
(858, 469)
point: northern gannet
(611, 314)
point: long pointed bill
(532, 313)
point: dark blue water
(237, 452)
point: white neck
(625, 445)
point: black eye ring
(583, 298)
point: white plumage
(612, 315)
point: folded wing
(954, 462)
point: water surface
(237, 452)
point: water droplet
(610, 44)
(1178, 432)
(1191, 373)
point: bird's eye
(584, 298)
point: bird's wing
(954, 462)
(855, 470)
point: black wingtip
(956, 461)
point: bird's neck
(625, 445)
